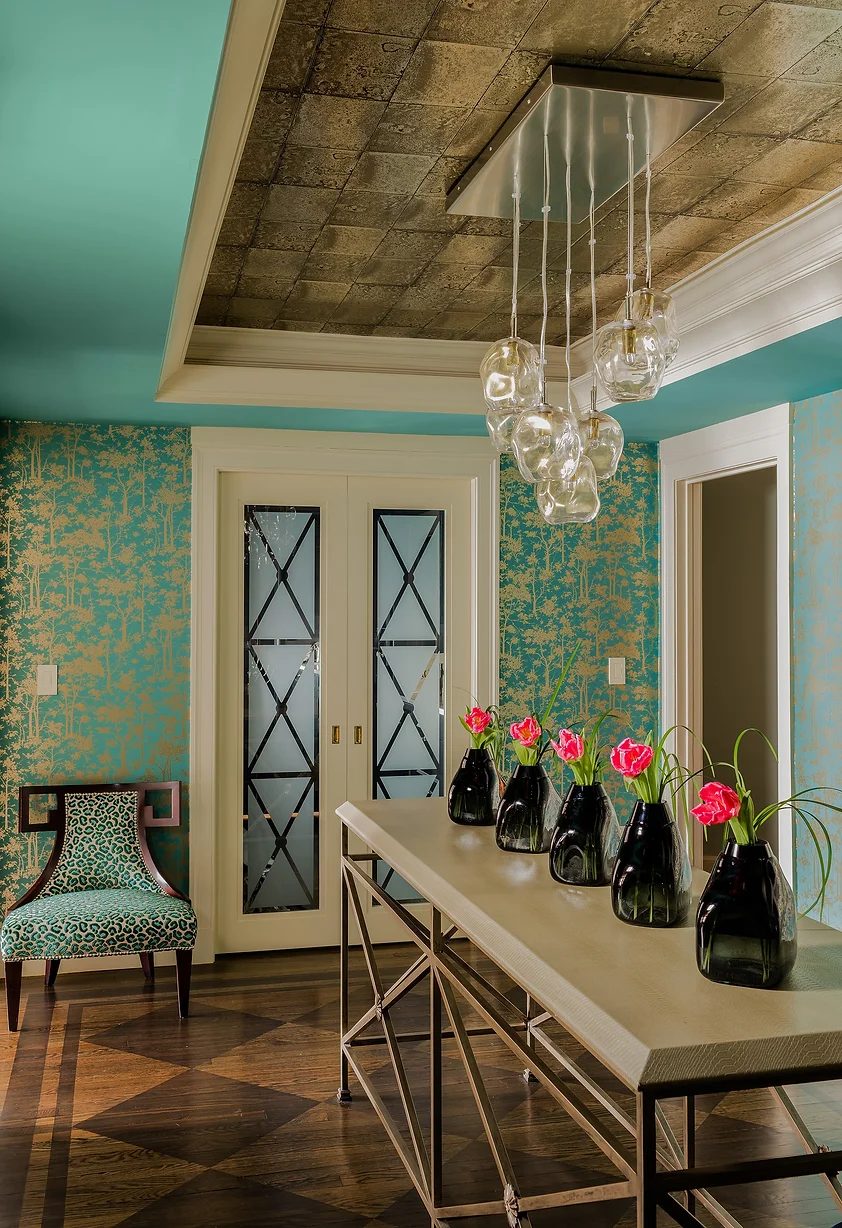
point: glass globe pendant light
(653, 306)
(629, 354)
(602, 435)
(510, 371)
(546, 434)
(573, 500)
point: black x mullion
(408, 580)
(282, 572)
(410, 712)
(280, 708)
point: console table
(631, 997)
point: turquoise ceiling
(103, 108)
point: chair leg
(51, 972)
(12, 971)
(183, 965)
(147, 963)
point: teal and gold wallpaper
(816, 618)
(597, 583)
(94, 578)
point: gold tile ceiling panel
(371, 110)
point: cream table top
(633, 996)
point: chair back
(101, 849)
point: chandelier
(578, 120)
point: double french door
(347, 647)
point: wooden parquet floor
(115, 1113)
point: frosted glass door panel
(408, 617)
(281, 709)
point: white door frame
(756, 441)
(232, 450)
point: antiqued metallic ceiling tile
(314, 300)
(442, 176)
(228, 260)
(348, 242)
(212, 309)
(315, 168)
(426, 213)
(251, 312)
(735, 234)
(500, 227)
(221, 285)
(823, 63)
(784, 108)
(298, 326)
(414, 128)
(452, 74)
(685, 265)
(514, 80)
(359, 65)
(445, 278)
(406, 17)
(338, 123)
(790, 163)
(735, 200)
(471, 249)
(393, 330)
(826, 180)
(475, 132)
(236, 231)
(306, 10)
(258, 162)
(367, 208)
(275, 288)
(390, 172)
(501, 23)
(383, 272)
(246, 200)
(266, 262)
(366, 304)
(827, 127)
(290, 236)
(775, 36)
(673, 193)
(720, 154)
(287, 203)
(332, 268)
(419, 245)
(272, 116)
(291, 55)
(786, 204)
(674, 32)
(568, 29)
(685, 233)
(487, 301)
(409, 317)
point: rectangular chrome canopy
(584, 112)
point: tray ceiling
(371, 109)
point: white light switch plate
(47, 679)
(616, 671)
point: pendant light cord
(515, 251)
(568, 198)
(648, 202)
(630, 264)
(546, 213)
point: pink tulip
(631, 758)
(570, 746)
(527, 731)
(478, 720)
(718, 804)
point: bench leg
(183, 965)
(147, 963)
(51, 972)
(12, 971)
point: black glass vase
(745, 926)
(473, 794)
(528, 811)
(652, 881)
(586, 839)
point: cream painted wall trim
(229, 450)
(252, 25)
(756, 441)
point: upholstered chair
(100, 892)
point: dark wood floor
(114, 1113)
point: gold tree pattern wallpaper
(597, 583)
(94, 578)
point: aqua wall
(816, 621)
(95, 577)
(595, 583)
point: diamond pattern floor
(116, 1114)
